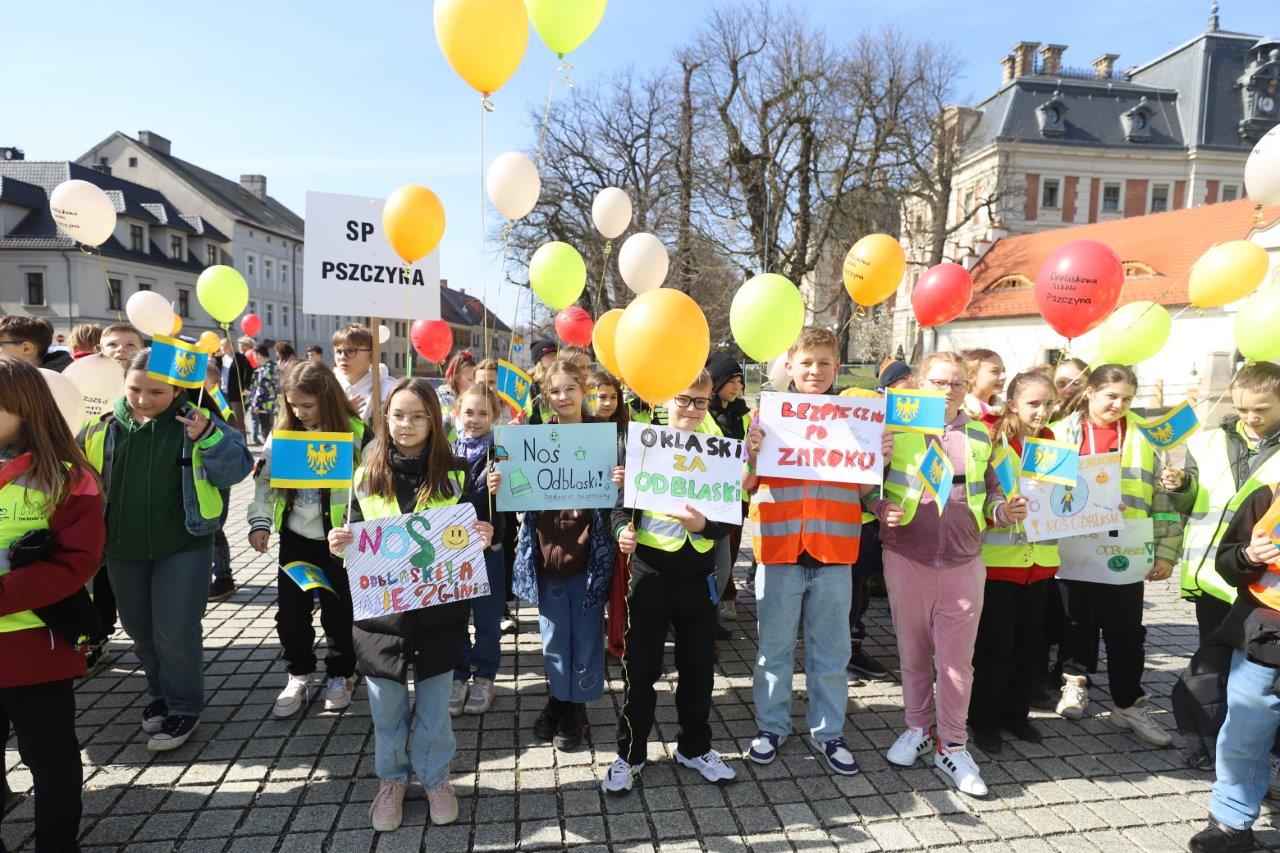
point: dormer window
(1137, 122)
(1052, 115)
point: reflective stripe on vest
(337, 497)
(378, 506)
(1199, 573)
(793, 517)
(23, 508)
(1137, 462)
(902, 483)
(664, 533)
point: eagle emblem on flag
(322, 458)
(184, 363)
(906, 410)
(1046, 458)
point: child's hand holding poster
(668, 469)
(407, 562)
(822, 437)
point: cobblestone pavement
(247, 782)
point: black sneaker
(154, 715)
(1024, 730)
(544, 728)
(174, 733)
(1216, 838)
(509, 625)
(723, 632)
(988, 739)
(220, 589)
(865, 666)
(572, 724)
(95, 657)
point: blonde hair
(815, 337)
(946, 356)
(1010, 425)
(85, 336)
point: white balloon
(513, 184)
(100, 381)
(150, 313)
(611, 212)
(643, 262)
(83, 212)
(67, 397)
(779, 379)
(384, 333)
(1262, 169)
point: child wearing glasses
(353, 355)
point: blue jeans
(422, 743)
(486, 654)
(161, 603)
(1244, 743)
(823, 595)
(572, 639)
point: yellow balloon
(209, 342)
(603, 337)
(661, 344)
(484, 40)
(177, 326)
(873, 268)
(413, 220)
(1227, 272)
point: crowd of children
(976, 608)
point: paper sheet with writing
(821, 437)
(669, 469)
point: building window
(35, 288)
(253, 307)
(1159, 198)
(1110, 198)
(267, 268)
(175, 247)
(115, 288)
(271, 314)
(184, 302)
(284, 272)
(211, 255)
(133, 162)
(967, 204)
(136, 238)
(1230, 192)
(251, 264)
(284, 317)
(313, 324)
(1049, 193)
(144, 285)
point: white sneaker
(959, 765)
(710, 765)
(909, 746)
(1075, 697)
(1273, 789)
(337, 692)
(1137, 719)
(291, 698)
(620, 776)
(729, 610)
(457, 697)
(479, 697)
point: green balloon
(222, 292)
(1134, 332)
(565, 24)
(1256, 325)
(766, 316)
(557, 274)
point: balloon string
(95, 251)
(484, 272)
(546, 120)
(604, 269)
(511, 339)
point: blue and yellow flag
(177, 362)
(311, 460)
(915, 410)
(307, 576)
(936, 473)
(220, 400)
(1050, 461)
(513, 386)
(1005, 461)
(1174, 428)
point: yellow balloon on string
(483, 40)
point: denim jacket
(524, 578)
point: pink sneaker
(388, 807)
(443, 803)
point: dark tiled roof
(201, 226)
(167, 215)
(21, 193)
(465, 310)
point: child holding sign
(1106, 425)
(314, 401)
(672, 589)
(409, 467)
(934, 572)
(1006, 655)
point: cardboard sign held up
(669, 469)
(821, 437)
(556, 466)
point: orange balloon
(177, 326)
(661, 344)
(603, 337)
(209, 342)
(413, 219)
(873, 269)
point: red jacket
(36, 655)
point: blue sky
(356, 98)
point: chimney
(256, 184)
(1212, 26)
(1024, 58)
(154, 141)
(1104, 65)
(1006, 69)
(11, 154)
(1051, 59)
(444, 282)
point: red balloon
(432, 339)
(941, 294)
(574, 326)
(251, 324)
(1078, 286)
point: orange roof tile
(1169, 243)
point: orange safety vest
(806, 516)
(1267, 589)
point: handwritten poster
(1121, 556)
(556, 466)
(669, 469)
(820, 437)
(408, 562)
(1092, 505)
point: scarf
(472, 448)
